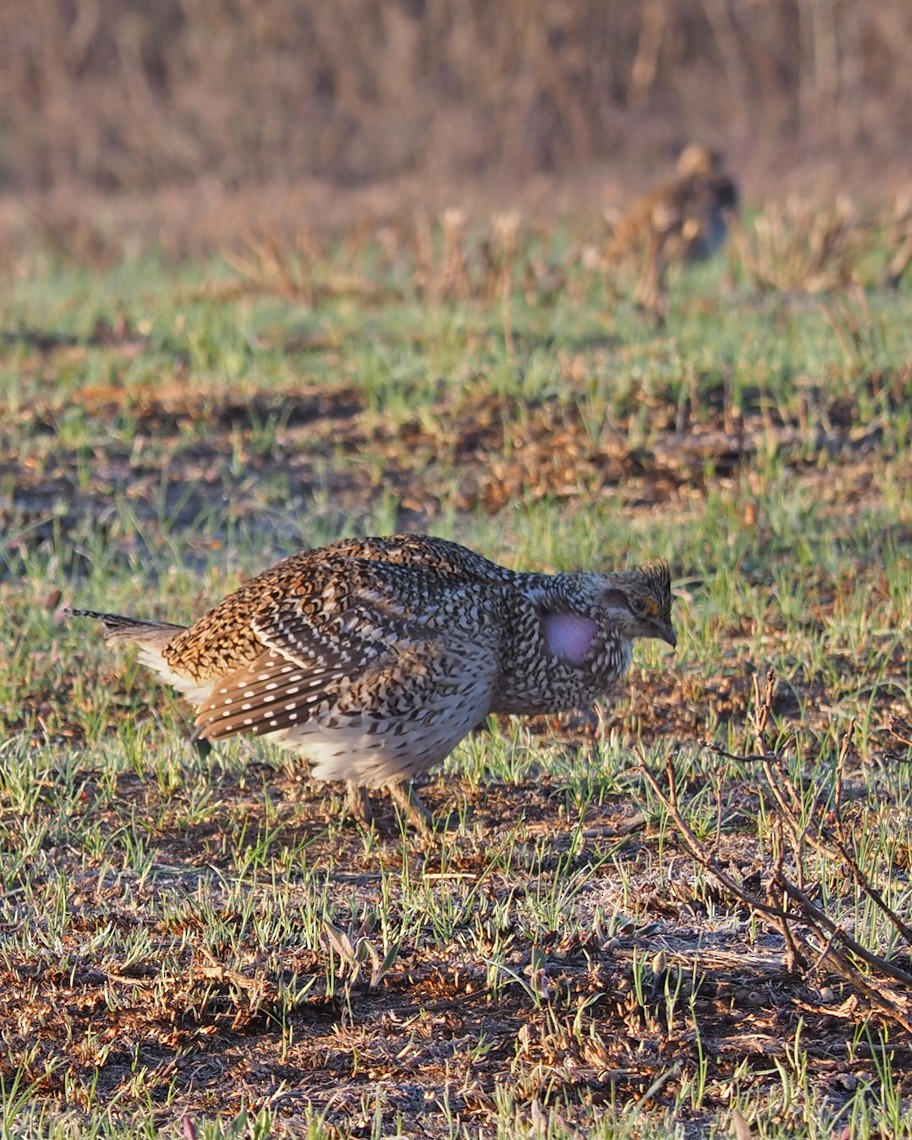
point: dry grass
(799, 246)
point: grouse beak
(665, 631)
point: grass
(204, 946)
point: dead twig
(810, 833)
(695, 848)
(812, 938)
(822, 922)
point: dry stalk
(860, 336)
(271, 267)
(802, 246)
(838, 849)
(455, 280)
(300, 270)
(812, 938)
(898, 241)
(501, 251)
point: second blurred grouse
(374, 657)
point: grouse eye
(644, 607)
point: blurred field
(601, 946)
(122, 96)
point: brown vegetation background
(129, 95)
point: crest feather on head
(657, 580)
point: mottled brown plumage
(681, 221)
(374, 657)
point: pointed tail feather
(118, 627)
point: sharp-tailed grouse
(374, 657)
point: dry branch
(812, 938)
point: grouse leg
(359, 806)
(409, 803)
